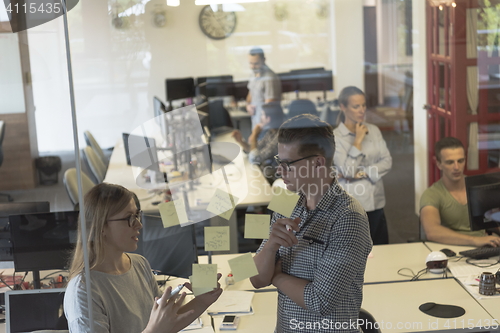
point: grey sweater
(121, 303)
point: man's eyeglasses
(133, 220)
(286, 165)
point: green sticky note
(283, 201)
(222, 204)
(204, 276)
(198, 291)
(173, 213)
(217, 239)
(257, 226)
(243, 267)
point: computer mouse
(448, 252)
(427, 306)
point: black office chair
(301, 106)
(2, 134)
(219, 120)
(368, 322)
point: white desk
(385, 261)
(395, 306)
(246, 182)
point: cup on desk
(487, 283)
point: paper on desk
(257, 226)
(243, 267)
(222, 204)
(198, 291)
(217, 238)
(283, 201)
(173, 213)
(204, 276)
(463, 269)
(232, 301)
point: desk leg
(233, 231)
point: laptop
(34, 309)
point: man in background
(443, 206)
(263, 87)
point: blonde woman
(362, 159)
(124, 290)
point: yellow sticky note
(257, 226)
(198, 291)
(243, 267)
(173, 213)
(204, 276)
(283, 201)
(217, 239)
(222, 204)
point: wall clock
(218, 24)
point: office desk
(245, 181)
(264, 318)
(385, 261)
(395, 306)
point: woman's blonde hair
(344, 100)
(101, 202)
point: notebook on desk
(34, 309)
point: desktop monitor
(289, 82)
(180, 88)
(172, 250)
(216, 86)
(483, 200)
(141, 151)
(15, 208)
(43, 241)
(240, 90)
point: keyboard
(484, 252)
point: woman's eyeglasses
(286, 165)
(133, 220)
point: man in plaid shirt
(317, 257)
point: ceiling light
(173, 3)
(219, 2)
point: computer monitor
(240, 90)
(216, 86)
(483, 193)
(43, 241)
(289, 82)
(180, 88)
(15, 208)
(172, 250)
(141, 151)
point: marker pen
(173, 293)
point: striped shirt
(334, 243)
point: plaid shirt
(334, 243)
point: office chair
(301, 106)
(368, 322)
(2, 134)
(97, 167)
(89, 139)
(330, 116)
(219, 120)
(71, 184)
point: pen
(173, 293)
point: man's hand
(492, 240)
(251, 109)
(236, 134)
(282, 233)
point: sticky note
(198, 291)
(222, 204)
(283, 201)
(173, 213)
(217, 239)
(243, 267)
(204, 276)
(257, 226)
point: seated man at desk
(263, 87)
(262, 151)
(317, 257)
(443, 206)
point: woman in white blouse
(362, 159)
